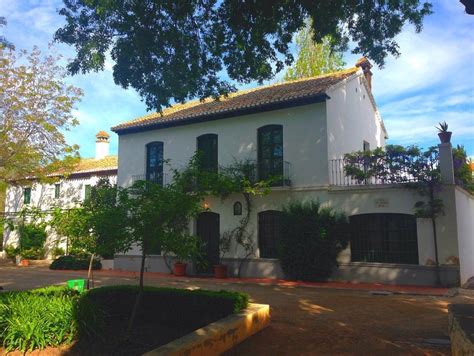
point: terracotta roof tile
(87, 165)
(235, 102)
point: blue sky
(432, 80)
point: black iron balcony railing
(339, 177)
(164, 179)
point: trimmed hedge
(55, 316)
(74, 263)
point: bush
(311, 239)
(74, 263)
(57, 252)
(37, 319)
(34, 253)
(31, 236)
(11, 251)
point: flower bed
(97, 320)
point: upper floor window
(87, 191)
(57, 190)
(207, 148)
(154, 162)
(270, 151)
(27, 195)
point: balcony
(338, 177)
(142, 177)
(279, 180)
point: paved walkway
(306, 320)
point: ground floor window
(387, 237)
(269, 230)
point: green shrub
(37, 319)
(74, 263)
(57, 252)
(31, 236)
(311, 239)
(11, 251)
(34, 253)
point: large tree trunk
(138, 299)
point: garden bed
(100, 318)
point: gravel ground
(305, 320)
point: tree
(176, 50)
(35, 109)
(4, 43)
(414, 168)
(313, 58)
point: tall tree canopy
(313, 58)
(3, 41)
(35, 108)
(176, 50)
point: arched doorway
(384, 237)
(207, 229)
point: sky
(430, 82)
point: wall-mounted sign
(381, 203)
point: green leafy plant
(57, 252)
(37, 319)
(11, 251)
(311, 239)
(442, 127)
(74, 263)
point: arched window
(269, 230)
(154, 162)
(270, 151)
(384, 237)
(237, 208)
(207, 147)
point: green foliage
(235, 301)
(73, 224)
(57, 251)
(34, 117)
(37, 319)
(31, 236)
(11, 251)
(74, 263)
(251, 41)
(34, 253)
(313, 58)
(184, 247)
(463, 174)
(442, 127)
(311, 239)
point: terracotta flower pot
(25, 263)
(220, 271)
(445, 136)
(180, 269)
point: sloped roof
(265, 98)
(89, 165)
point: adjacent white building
(300, 130)
(65, 192)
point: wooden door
(208, 232)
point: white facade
(64, 193)
(313, 136)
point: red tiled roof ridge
(184, 111)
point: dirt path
(306, 320)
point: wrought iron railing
(282, 179)
(339, 177)
(164, 179)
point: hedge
(74, 263)
(55, 316)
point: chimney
(365, 65)
(101, 145)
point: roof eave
(311, 99)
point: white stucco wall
(304, 140)
(72, 190)
(352, 119)
(465, 230)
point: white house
(64, 193)
(300, 130)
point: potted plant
(184, 248)
(220, 270)
(443, 134)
